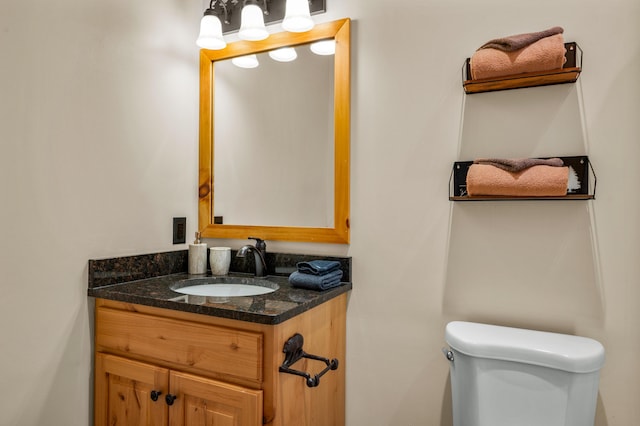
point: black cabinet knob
(155, 394)
(170, 398)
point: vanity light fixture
(297, 18)
(252, 22)
(211, 31)
(284, 54)
(248, 18)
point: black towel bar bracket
(293, 353)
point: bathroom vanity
(163, 358)
(278, 359)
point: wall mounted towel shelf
(568, 74)
(581, 164)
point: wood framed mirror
(335, 230)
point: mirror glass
(274, 140)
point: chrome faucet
(259, 254)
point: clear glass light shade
(285, 54)
(247, 61)
(252, 24)
(211, 33)
(324, 47)
(297, 18)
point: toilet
(503, 376)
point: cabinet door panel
(123, 392)
(206, 402)
(200, 412)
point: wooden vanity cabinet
(157, 366)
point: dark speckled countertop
(148, 279)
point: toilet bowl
(503, 376)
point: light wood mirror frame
(338, 30)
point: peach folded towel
(543, 55)
(536, 181)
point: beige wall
(98, 132)
(98, 151)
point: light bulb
(211, 33)
(324, 47)
(297, 18)
(284, 54)
(247, 61)
(252, 24)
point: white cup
(219, 260)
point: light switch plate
(179, 230)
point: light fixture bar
(276, 12)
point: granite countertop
(111, 279)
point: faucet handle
(260, 244)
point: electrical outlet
(179, 230)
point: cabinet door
(206, 402)
(123, 392)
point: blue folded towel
(318, 267)
(315, 282)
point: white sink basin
(224, 287)
(224, 290)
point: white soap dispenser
(197, 257)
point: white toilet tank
(503, 376)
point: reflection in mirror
(271, 141)
(274, 139)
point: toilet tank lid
(560, 351)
